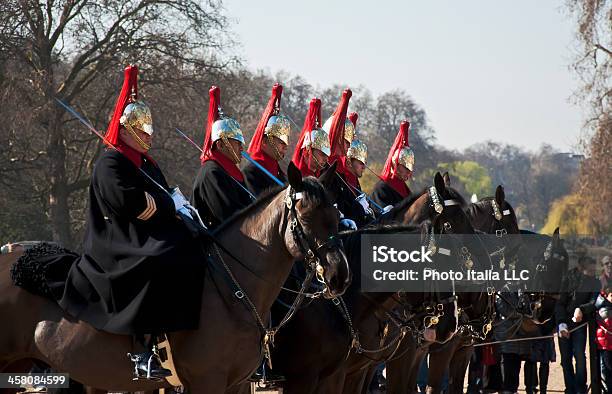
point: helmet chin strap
(140, 142)
(396, 173)
(313, 157)
(270, 140)
(230, 148)
(351, 167)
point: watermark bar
(425, 262)
(34, 380)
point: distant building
(569, 160)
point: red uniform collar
(351, 178)
(132, 154)
(267, 162)
(229, 166)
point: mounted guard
(219, 189)
(312, 149)
(392, 188)
(268, 146)
(142, 270)
(356, 158)
(351, 202)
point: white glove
(178, 198)
(563, 331)
(577, 315)
(363, 201)
(349, 223)
(180, 202)
(387, 209)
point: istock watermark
(464, 263)
(383, 254)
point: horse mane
(378, 229)
(408, 201)
(455, 195)
(405, 203)
(480, 205)
(483, 206)
(313, 194)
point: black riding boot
(266, 376)
(147, 364)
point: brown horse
(265, 238)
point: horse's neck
(414, 213)
(257, 240)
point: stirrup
(138, 359)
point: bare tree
(594, 67)
(67, 48)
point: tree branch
(604, 49)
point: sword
(262, 168)
(188, 139)
(81, 119)
(87, 124)
(244, 154)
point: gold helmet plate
(278, 126)
(358, 151)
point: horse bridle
(497, 227)
(433, 309)
(438, 205)
(535, 299)
(313, 266)
(312, 257)
(481, 326)
(548, 255)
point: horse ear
(555, 236)
(327, 177)
(439, 183)
(500, 196)
(446, 178)
(295, 177)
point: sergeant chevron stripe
(150, 209)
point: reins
(313, 267)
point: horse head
(453, 238)
(313, 228)
(440, 211)
(549, 267)
(495, 216)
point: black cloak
(141, 270)
(216, 195)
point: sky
(482, 70)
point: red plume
(130, 84)
(312, 121)
(400, 140)
(213, 114)
(353, 116)
(336, 129)
(274, 102)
